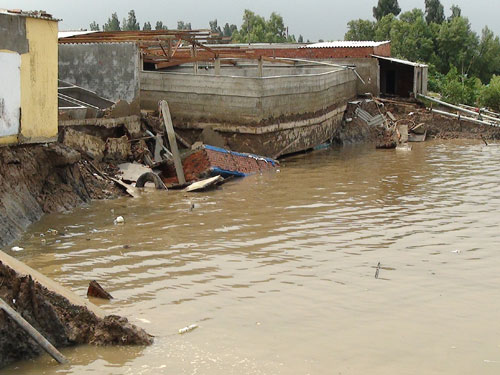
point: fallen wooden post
(172, 141)
(35, 335)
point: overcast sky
(314, 19)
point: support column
(217, 66)
(261, 67)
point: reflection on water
(278, 269)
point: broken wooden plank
(204, 184)
(172, 141)
(35, 335)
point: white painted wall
(10, 93)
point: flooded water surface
(278, 270)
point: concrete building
(28, 76)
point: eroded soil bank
(38, 179)
(62, 323)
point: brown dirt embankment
(60, 322)
(38, 179)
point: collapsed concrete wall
(109, 69)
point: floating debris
(188, 329)
(17, 248)
(377, 271)
(119, 220)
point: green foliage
(113, 23)
(457, 88)
(130, 23)
(385, 7)
(301, 39)
(455, 12)
(256, 29)
(214, 29)
(229, 30)
(94, 26)
(181, 25)
(147, 26)
(487, 62)
(434, 12)
(457, 45)
(384, 26)
(360, 30)
(411, 37)
(490, 94)
(160, 26)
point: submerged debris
(97, 291)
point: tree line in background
(254, 28)
(463, 66)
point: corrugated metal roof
(346, 44)
(400, 61)
(70, 33)
(40, 14)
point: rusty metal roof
(40, 14)
(346, 44)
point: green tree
(385, 7)
(360, 30)
(214, 28)
(490, 94)
(113, 23)
(181, 25)
(434, 11)
(487, 62)
(301, 39)
(455, 12)
(411, 37)
(147, 26)
(130, 23)
(255, 29)
(94, 26)
(384, 26)
(457, 45)
(160, 26)
(457, 88)
(229, 29)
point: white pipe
(444, 113)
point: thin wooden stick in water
(378, 269)
(28, 328)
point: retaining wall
(245, 100)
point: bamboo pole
(35, 335)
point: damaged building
(267, 99)
(28, 72)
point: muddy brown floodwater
(278, 270)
